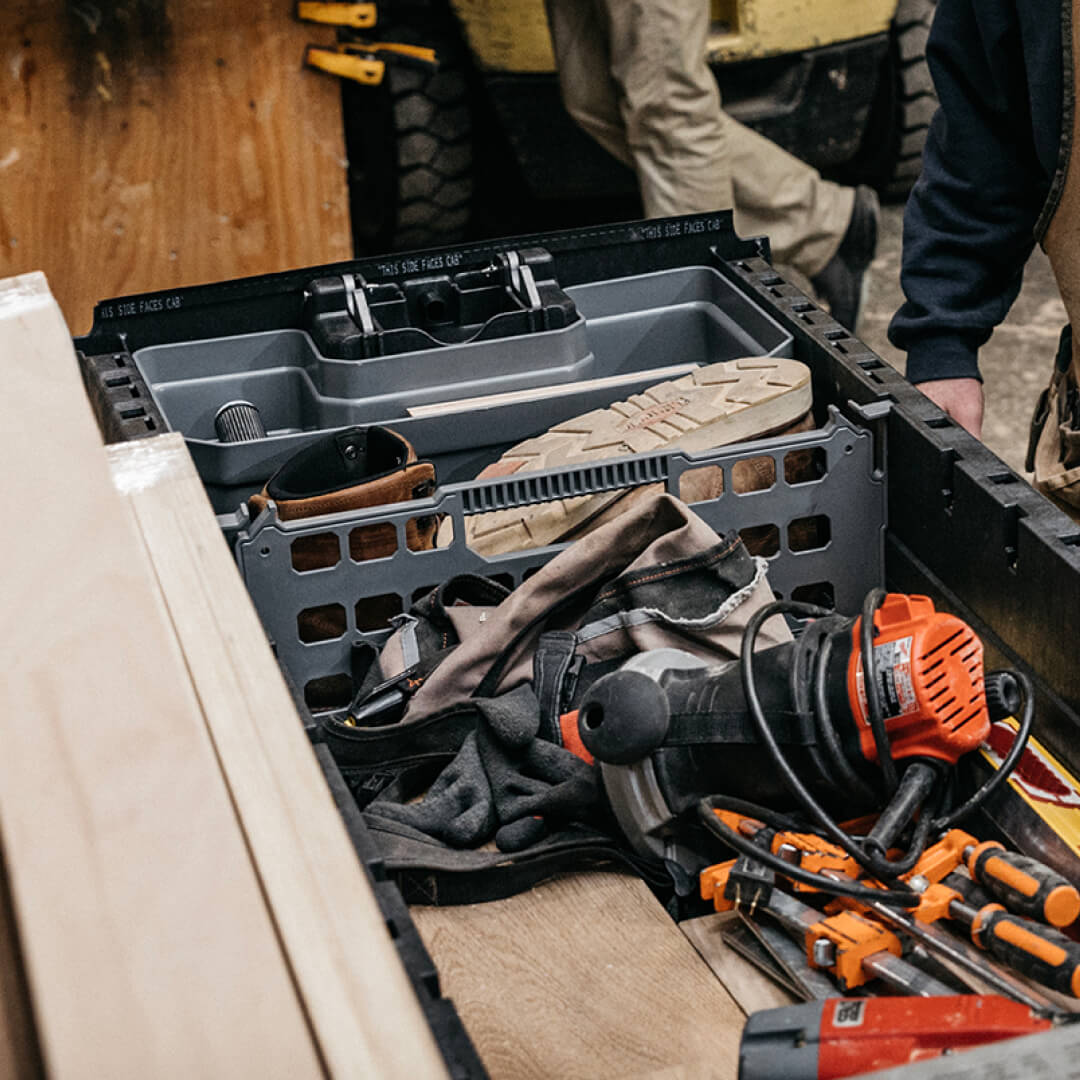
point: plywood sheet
(147, 144)
(582, 977)
(148, 946)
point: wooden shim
(147, 942)
(364, 1012)
(539, 393)
(582, 977)
(751, 988)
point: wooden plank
(539, 393)
(584, 976)
(148, 945)
(365, 1015)
(752, 989)
(150, 145)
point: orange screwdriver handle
(1024, 885)
(1047, 956)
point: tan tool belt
(1054, 447)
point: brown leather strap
(1063, 233)
(351, 470)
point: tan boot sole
(729, 402)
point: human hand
(962, 399)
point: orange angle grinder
(855, 716)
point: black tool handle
(1045, 955)
(1024, 885)
(915, 786)
(918, 781)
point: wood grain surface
(582, 977)
(146, 144)
(746, 984)
(147, 942)
(365, 1015)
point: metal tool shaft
(963, 955)
(797, 917)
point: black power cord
(874, 599)
(900, 896)
(1012, 758)
(929, 822)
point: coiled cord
(930, 822)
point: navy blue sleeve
(968, 225)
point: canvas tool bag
(478, 786)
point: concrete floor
(1015, 363)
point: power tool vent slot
(951, 670)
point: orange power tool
(865, 714)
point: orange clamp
(713, 881)
(854, 938)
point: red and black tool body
(930, 679)
(839, 1037)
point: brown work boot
(716, 405)
(351, 470)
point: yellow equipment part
(1046, 785)
(512, 35)
(361, 69)
(336, 13)
(360, 62)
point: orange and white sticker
(1040, 780)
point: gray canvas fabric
(663, 577)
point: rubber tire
(410, 148)
(890, 158)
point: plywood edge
(751, 988)
(365, 1014)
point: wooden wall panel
(147, 144)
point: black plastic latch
(431, 305)
(356, 303)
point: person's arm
(961, 398)
(968, 225)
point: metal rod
(904, 977)
(963, 955)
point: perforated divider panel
(817, 514)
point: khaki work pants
(633, 74)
